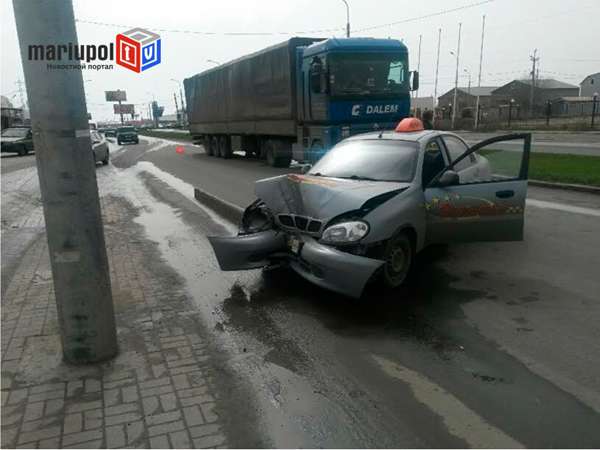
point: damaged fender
(333, 269)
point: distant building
(545, 89)
(420, 104)
(590, 85)
(466, 99)
(572, 106)
(168, 120)
(10, 115)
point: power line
(210, 33)
(426, 16)
(272, 33)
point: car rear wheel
(105, 160)
(398, 256)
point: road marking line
(563, 207)
(460, 420)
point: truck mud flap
(248, 251)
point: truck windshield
(369, 159)
(352, 74)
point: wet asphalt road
(491, 344)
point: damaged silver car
(373, 201)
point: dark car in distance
(17, 140)
(110, 132)
(127, 135)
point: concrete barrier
(226, 209)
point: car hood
(10, 140)
(321, 197)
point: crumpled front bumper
(322, 265)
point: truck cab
(349, 86)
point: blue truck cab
(349, 86)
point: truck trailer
(297, 99)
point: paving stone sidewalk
(157, 393)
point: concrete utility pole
(479, 77)
(437, 69)
(456, 78)
(534, 59)
(347, 18)
(67, 177)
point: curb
(566, 186)
(228, 210)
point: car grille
(300, 223)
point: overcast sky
(565, 33)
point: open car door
(481, 195)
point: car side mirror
(305, 168)
(448, 178)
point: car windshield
(372, 159)
(364, 74)
(15, 132)
(126, 130)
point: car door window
(433, 161)
(504, 160)
(465, 167)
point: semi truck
(297, 99)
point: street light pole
(456, 77)
(419, 62)
(469, 85)
(67, 175)
(594, 107)
(437, 69)
(479, 77)
(347, 18)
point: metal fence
(555, 115)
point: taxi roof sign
(408, 125)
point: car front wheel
(398, 256)
(23, 151)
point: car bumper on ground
(320, 264)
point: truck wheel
(213, 147)
(277, 153)
(225, 147)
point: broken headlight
(256, 218)
(345, 232)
